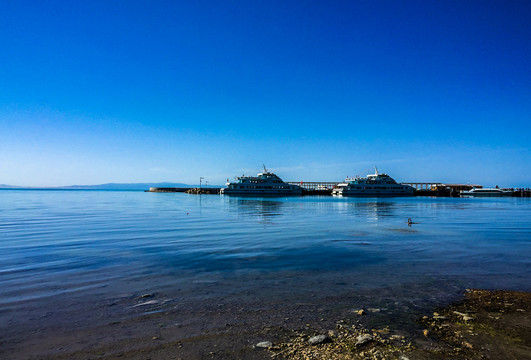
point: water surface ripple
(65, 255)
(49, 237)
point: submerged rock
(264, 344)
(319, 339)
(363, 339)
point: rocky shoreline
(484, 325)
(203, 191)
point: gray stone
(465, 317)
(319, 339)
(264, 344)
(363, 339)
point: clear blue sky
(147, 91)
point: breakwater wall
(188, 190)
(167, 189)
(201, 191)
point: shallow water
(74, 250)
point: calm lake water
(67, 254)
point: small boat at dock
(486, 192)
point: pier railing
(319, 185)
(329, 185)
(424, 185)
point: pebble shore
(486, 324)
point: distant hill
(109, 186)
(4, 186)
(125, 186)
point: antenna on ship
(265, 170)
(375, 170)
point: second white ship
(373, 185)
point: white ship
(373, 185)
(486, 192)
(265, 183)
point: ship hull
(486, 195)
(260, 192)
(372, 194)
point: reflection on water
(61, 242)
(373, 209)
(261, 207)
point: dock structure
(325, 188)
(460, 187)
(522, 192)
(440, 186)
(424, 185)
(315, 185)
(440, 189)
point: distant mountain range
(4, 186)
(109, 186)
